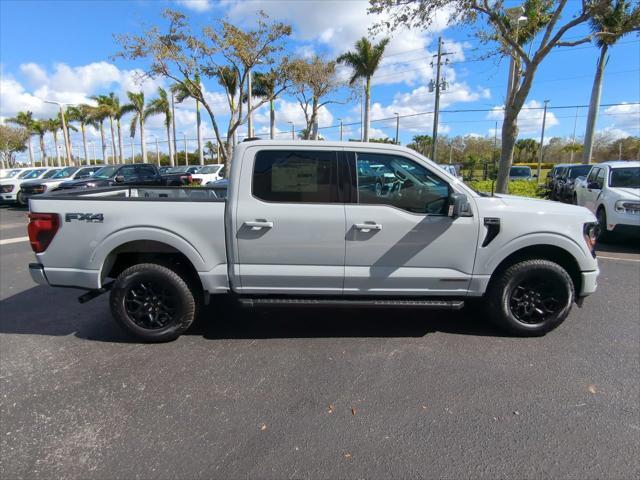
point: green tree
(494, 23)
(109, 106)
(265, 85)
(364, 61)
(83, 114)
(26, 121)
(161, 105)
(421, 144)
(616, 19)
(12, 140)
(138, 108)
(176, 53)
(53, 125)
(212, 151)
(40, 129)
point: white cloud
(623, 117)
(196, 5)
(529, 119)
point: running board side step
(382, 303)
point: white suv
(612, 192)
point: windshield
(9, 173)
(576, 172)
(24, 173)
(105, 172)
(86, 172)
(520, 172)
(33, 173)
(51, 173)
(625, 177)
(64, 173)
(177, 170)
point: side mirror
(119, 178)
(221, 174)
(459, 206)
(593, 186)
(535, 175)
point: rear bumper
(37, 274)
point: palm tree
(53, 125)
(211, 150)
(40, 129)
(99, 115)
(364, 61)
(82, 114)
(110, 107)
(137, 107)
(228, 79)
(26, 121)
(608, 25)
(162, 106)
(264, 86)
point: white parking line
(7, 241)
(618, 258)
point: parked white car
(9, 172)
(612, 191)
(208, 173)
(9, 187)
(49, 183)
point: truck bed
(114, 220)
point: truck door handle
(367, 227)
(259, 224)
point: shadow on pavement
(620, 245)
(44, 311)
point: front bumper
(37, 274)
(8, 197)
(589, 282)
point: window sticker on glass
(295, 176)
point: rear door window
(296, 176)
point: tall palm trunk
(84, 144)
(120, 144)
(55, 142)
(43, 152)
(312, 133)
(272, 119)
(114, 152)
(30, 151)
(171, 159)
(143, 146)
(105, 160)
(367, 108)
(594, 106)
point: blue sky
(61, 49)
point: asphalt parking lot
(316, 393)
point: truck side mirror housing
(119, 178)
(459, 206)
(593, 186)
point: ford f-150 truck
(299, 227)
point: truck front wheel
(531, 297)
(152, 302)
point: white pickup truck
(304, 224)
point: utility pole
(293, 130)
(544, 122)
(397, 128)
(437, 85)
(249, 102)
(573, 138)
(186, 158)
(340, 129)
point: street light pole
(293, 130)
(544, 122)
(340, 129)
(173, 123)
(249, 105)
(64, 129)
(186, 159)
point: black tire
(152, 302)
(378, 189)
(530, 298)
(603, 233)
(20, 200)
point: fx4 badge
(84, 217)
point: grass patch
(521, 188)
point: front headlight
(627, 206)
(90, 185)
(590, 232)
(7, 188)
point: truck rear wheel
(152, 302)
(531, 297)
